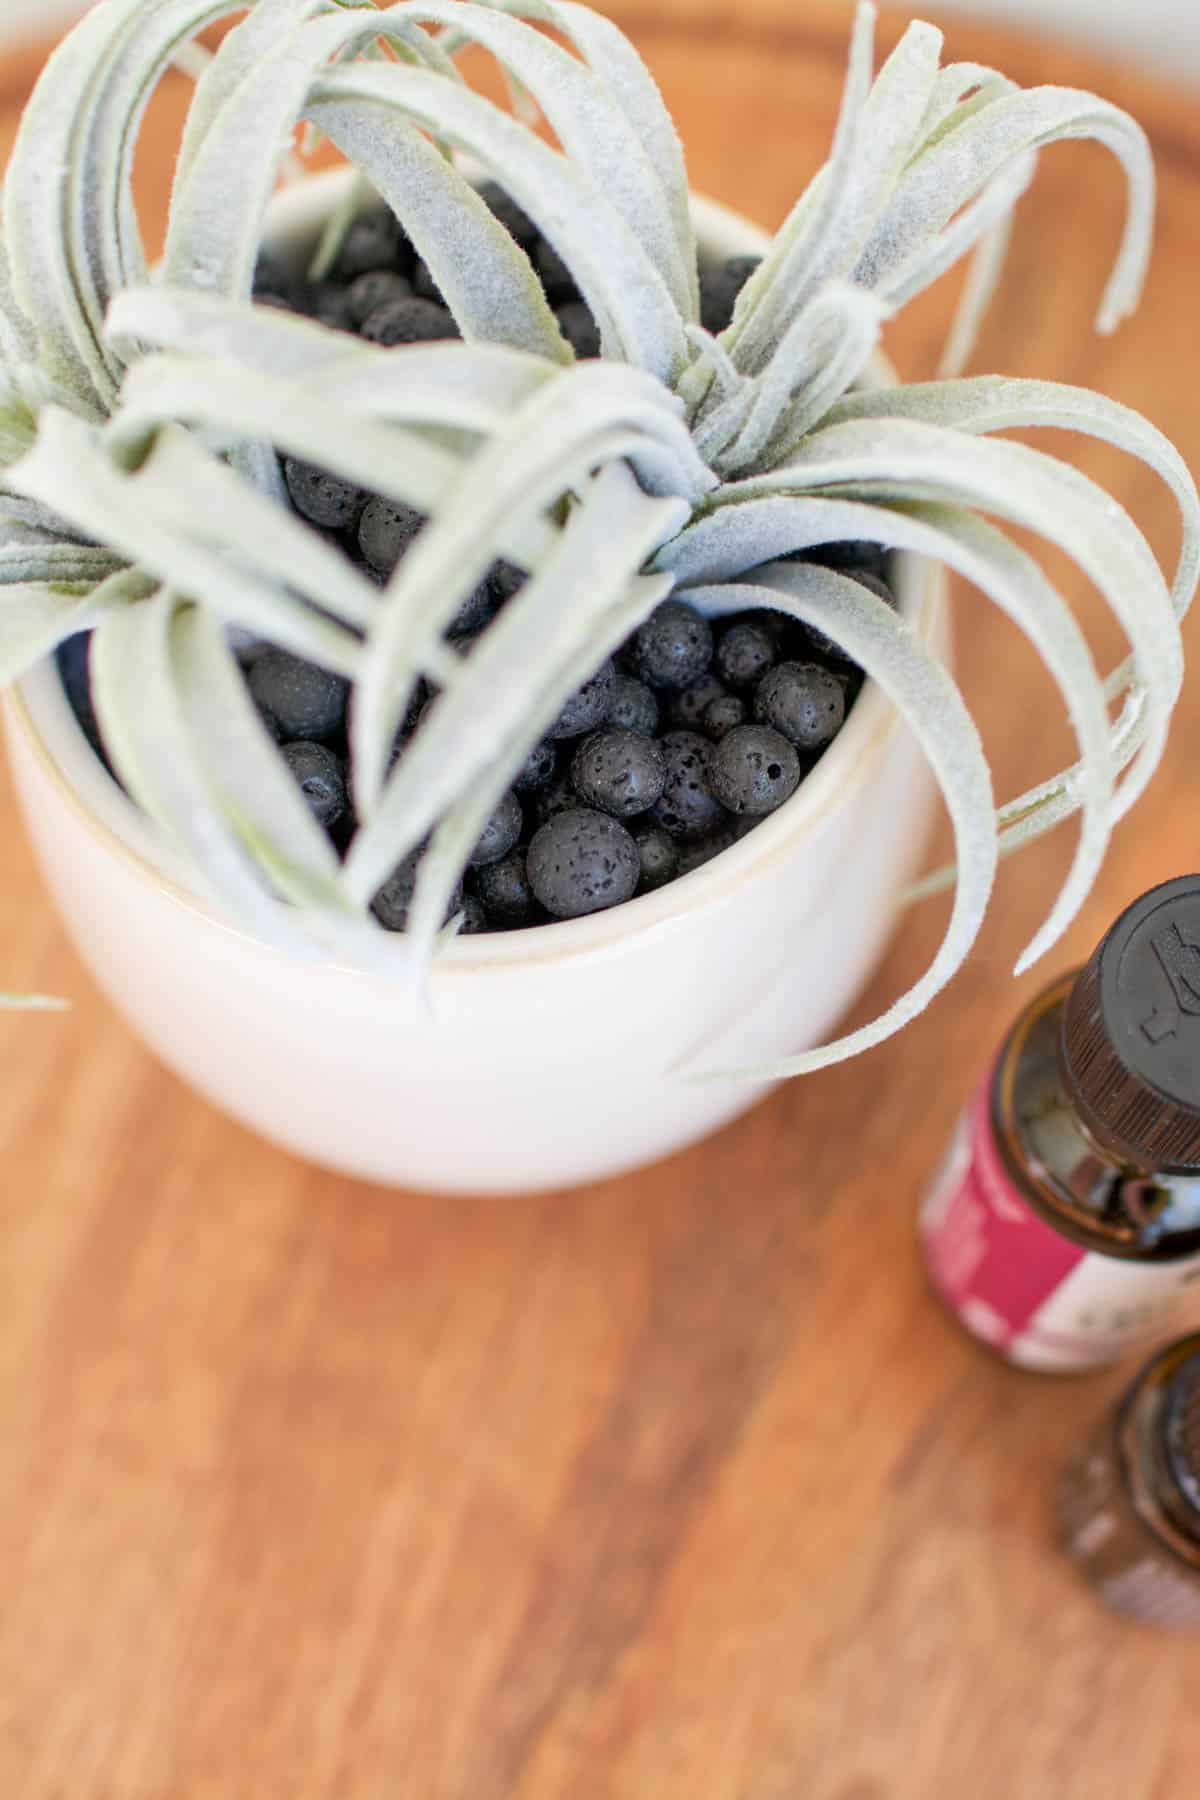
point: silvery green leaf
(629, 83)
(604, 543)
(138, 704)
(593, 130)
(933, 709)
(948, 177)
(638, 320)
(523, 660)
(903, 460)
(35, 619)
(958, 85)
(562, 433)
(68, 464)
(254, 788)
(886, 135)
(487, 280)
(732, 540)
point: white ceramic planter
(549, 1056)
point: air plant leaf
(143, 419)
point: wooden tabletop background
(677, 1487)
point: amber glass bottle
(1064, 1226)
(1129, 1507)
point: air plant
(144, 415)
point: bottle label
(1036, 1296)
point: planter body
(544, 1058)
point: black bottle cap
(1181, 1430)
(1131, 1032)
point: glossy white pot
(548, 1056)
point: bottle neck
(1086, 1189)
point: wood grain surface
(677, 1487)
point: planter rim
(38, 709)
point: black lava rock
(619, 772)
(515, 221)
(851, 557)
(580, 329)
(588, 707)
(687, 807)
(391, 904)
(557, 796)
(322, 779)
(506, 580)
(500, 834)
(298, 700)
(583, 862)
(331, 305)
(744, 655)
(474, 613)
(659, 854)
(689, 705)
(719, 289)
(474, 916)
(723, 716)
(754, 770)
(74, 670)
(385, 532)
(376, 289)
(272, 277)
(375, 240)
(322, 498)
(699, 851)
(674, 646)
(408, 322)
(505, 891)
(539, 768)
(554, 275)
(804, 701)
(634, 707)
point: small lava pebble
(500, 834)
(408, 322)
(580, 329)
(719, 289)
(506, 580)
(588, 706)
(539, 768)
(297, 699)
(744, 655)
(74, 670)
(659, 856)
(331, 304)
(634, 707)
(804, 701)
(475, 611)
(754, 770)
(375, 240)
(394, 898)
(271, 276)
(723, 716)
(554, 275)
(619, 772)
(674, 646)
(474, 916)
(385, 532)
(850, 557)
(320, 497)
(505, 891)
(515, 221)
(690, 704)
(557, 796)
(379, 287)
(583, 862)
(687, 807)
(322, 779)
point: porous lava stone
(538, 769)
(689, 705)
(391, 904)
(634, 707)
(322, 780)
(804, 701)
(659, 855)
(412, 321)
(582, 862)
(754, 770)
(296, 698)
(620, 772)
(500, 834)
(744, 655)
(322, 498)
(674, 646)
(687, 807)
(588, 706)
(505, 891)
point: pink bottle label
(1040, 1299)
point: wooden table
(679, 1487)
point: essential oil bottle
(1064, 1226)
(1129, 1506)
